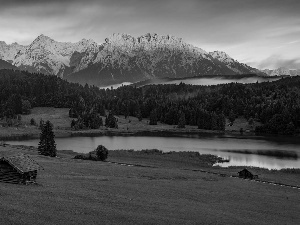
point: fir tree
(111, 121)
(26, 107)
(139, 115)
(32, 122)
(153, 118)
(41, 124)
(47, 144)
(231, 117)
(181, 121)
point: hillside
(6, 65)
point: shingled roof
(21, 162)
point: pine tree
(111, 121)
(181, 121)
(47, 144)
(231, 117)
(139, 115)
(26, 107)
(153, 118)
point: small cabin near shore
(18, 169)
(246, 174)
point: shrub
(32, 122)
(101, 152)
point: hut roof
(244, 170)
(21, 162)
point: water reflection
(233, 149)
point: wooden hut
(18, 169)
(246, 174)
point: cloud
(252, 29)
(276, 61)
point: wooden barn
(246, 174)
(18, 169)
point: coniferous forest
(276, 105)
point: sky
(262, 33)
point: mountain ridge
(282, 71)
(120, 58)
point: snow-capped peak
(43, 38)
(44, 54)
(221, 56)
(232, 64)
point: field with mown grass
(162, 189)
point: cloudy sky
(261, 33)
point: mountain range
(120, 58)
(282, 71)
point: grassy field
(166, 191)
(59, 117)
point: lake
(271, 153)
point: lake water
(228, 147)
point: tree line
(276, 105)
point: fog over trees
(275, 104)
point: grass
(73, 191)
(59, 117)
(239, 123)
(167, 190)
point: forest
(276, 105)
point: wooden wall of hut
(8, 174)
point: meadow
(161, 189)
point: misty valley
(202, 80)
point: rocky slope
(45, 55)
(234, 65)
(121, 58)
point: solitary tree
(32, 122)
(101, 152)
(47, 144)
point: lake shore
(32, 132)
(166, 188)
(61, 121)
(129, 126)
